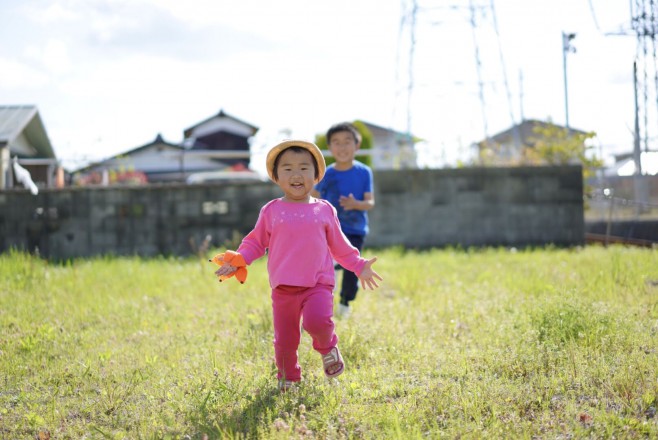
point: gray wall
(414, 208)
(518, 206)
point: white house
(23, 137)
(216, 144)
(391, 150)
(625, 164)
(221, 132)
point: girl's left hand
(368, 276)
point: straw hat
(308, 146)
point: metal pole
(564, 73)
(638, 187)
(566, 47)
(611, 197)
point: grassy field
(493, 343)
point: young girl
(302, 236)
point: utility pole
(566, 48)
(639, 184)
(645, 24)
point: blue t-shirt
(357, 181)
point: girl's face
(296, 175)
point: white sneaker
(344, 311)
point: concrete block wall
(152, 220)
(478, 207)
(414, 208)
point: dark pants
(350, 284)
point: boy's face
(296, 175)
(343, 146)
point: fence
(414, 208)
(612, 219)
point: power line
(410, 72)
(398, 62)
(480, 16)
(478, 67)
(591, 10)
(515, 130)
(644, 23)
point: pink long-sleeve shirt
(300, 239)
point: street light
(566, 48)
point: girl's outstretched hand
(368, 275)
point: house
(221, 133)
(155, 161)
(217, 144)
(23, 137)
(625, 164)
(508, 147)
(391, 149)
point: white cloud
(15, 74)
(56, 11)
(53, 56)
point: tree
(554, 145)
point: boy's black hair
(343, 126)
(294, 149)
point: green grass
(551, 343)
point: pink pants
(314, 307)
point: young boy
(348, 186)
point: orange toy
(235, 260)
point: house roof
(159, 140)
(370, 125)
(22, 129)
(399, 134)
(379, 127)
(526, 132)
(222, 114)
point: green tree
(554, 145)
(366, 143)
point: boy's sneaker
(344, 311)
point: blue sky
(109, 75)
